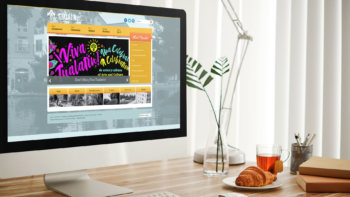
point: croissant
(254, 177)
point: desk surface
(180, 176)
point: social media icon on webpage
(129, 20)
(133, 20)
(125, 20)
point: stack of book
(320, 174)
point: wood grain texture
(180, 176)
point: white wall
(345, 123)
(293, 80)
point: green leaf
(194, 63)
(208, 80)
(198, 67)
(217, 63)
(193, 86)
(216, 67)
(189, 68)
(190, 60)
(204, 72)
(226, 71)
(191, 79)
(215, 72)
(227, 65)
(190, 74)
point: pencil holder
(300, 154)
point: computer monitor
(91, 84)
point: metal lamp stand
(236, 156)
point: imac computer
(91, 84)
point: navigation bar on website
(98, 30)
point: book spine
(324, 172)
(328, 187)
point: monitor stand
(79, 184)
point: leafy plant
(193, 80)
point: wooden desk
(180, 176)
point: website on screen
(79, 73)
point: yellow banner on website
(62, 28)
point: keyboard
(158, 194)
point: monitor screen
(81, 73)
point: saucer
(231, 182)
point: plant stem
(219, 128)
(217, 153)
(219, 140)
(222, 153)
(208, 98)
(217, 123)
(217, 148)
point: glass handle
(288, 155)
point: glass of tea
(267, 155)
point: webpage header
(62, 28)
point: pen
(306, 139)
(298, 149)
(296, 138)
(298, 144)
(299, 139)
(313, 137)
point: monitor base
(79, 184)
(236, 157)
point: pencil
(312, 139)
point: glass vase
(216, 152)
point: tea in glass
(267, 155)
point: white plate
(231, 182)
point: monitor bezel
(22, 146)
